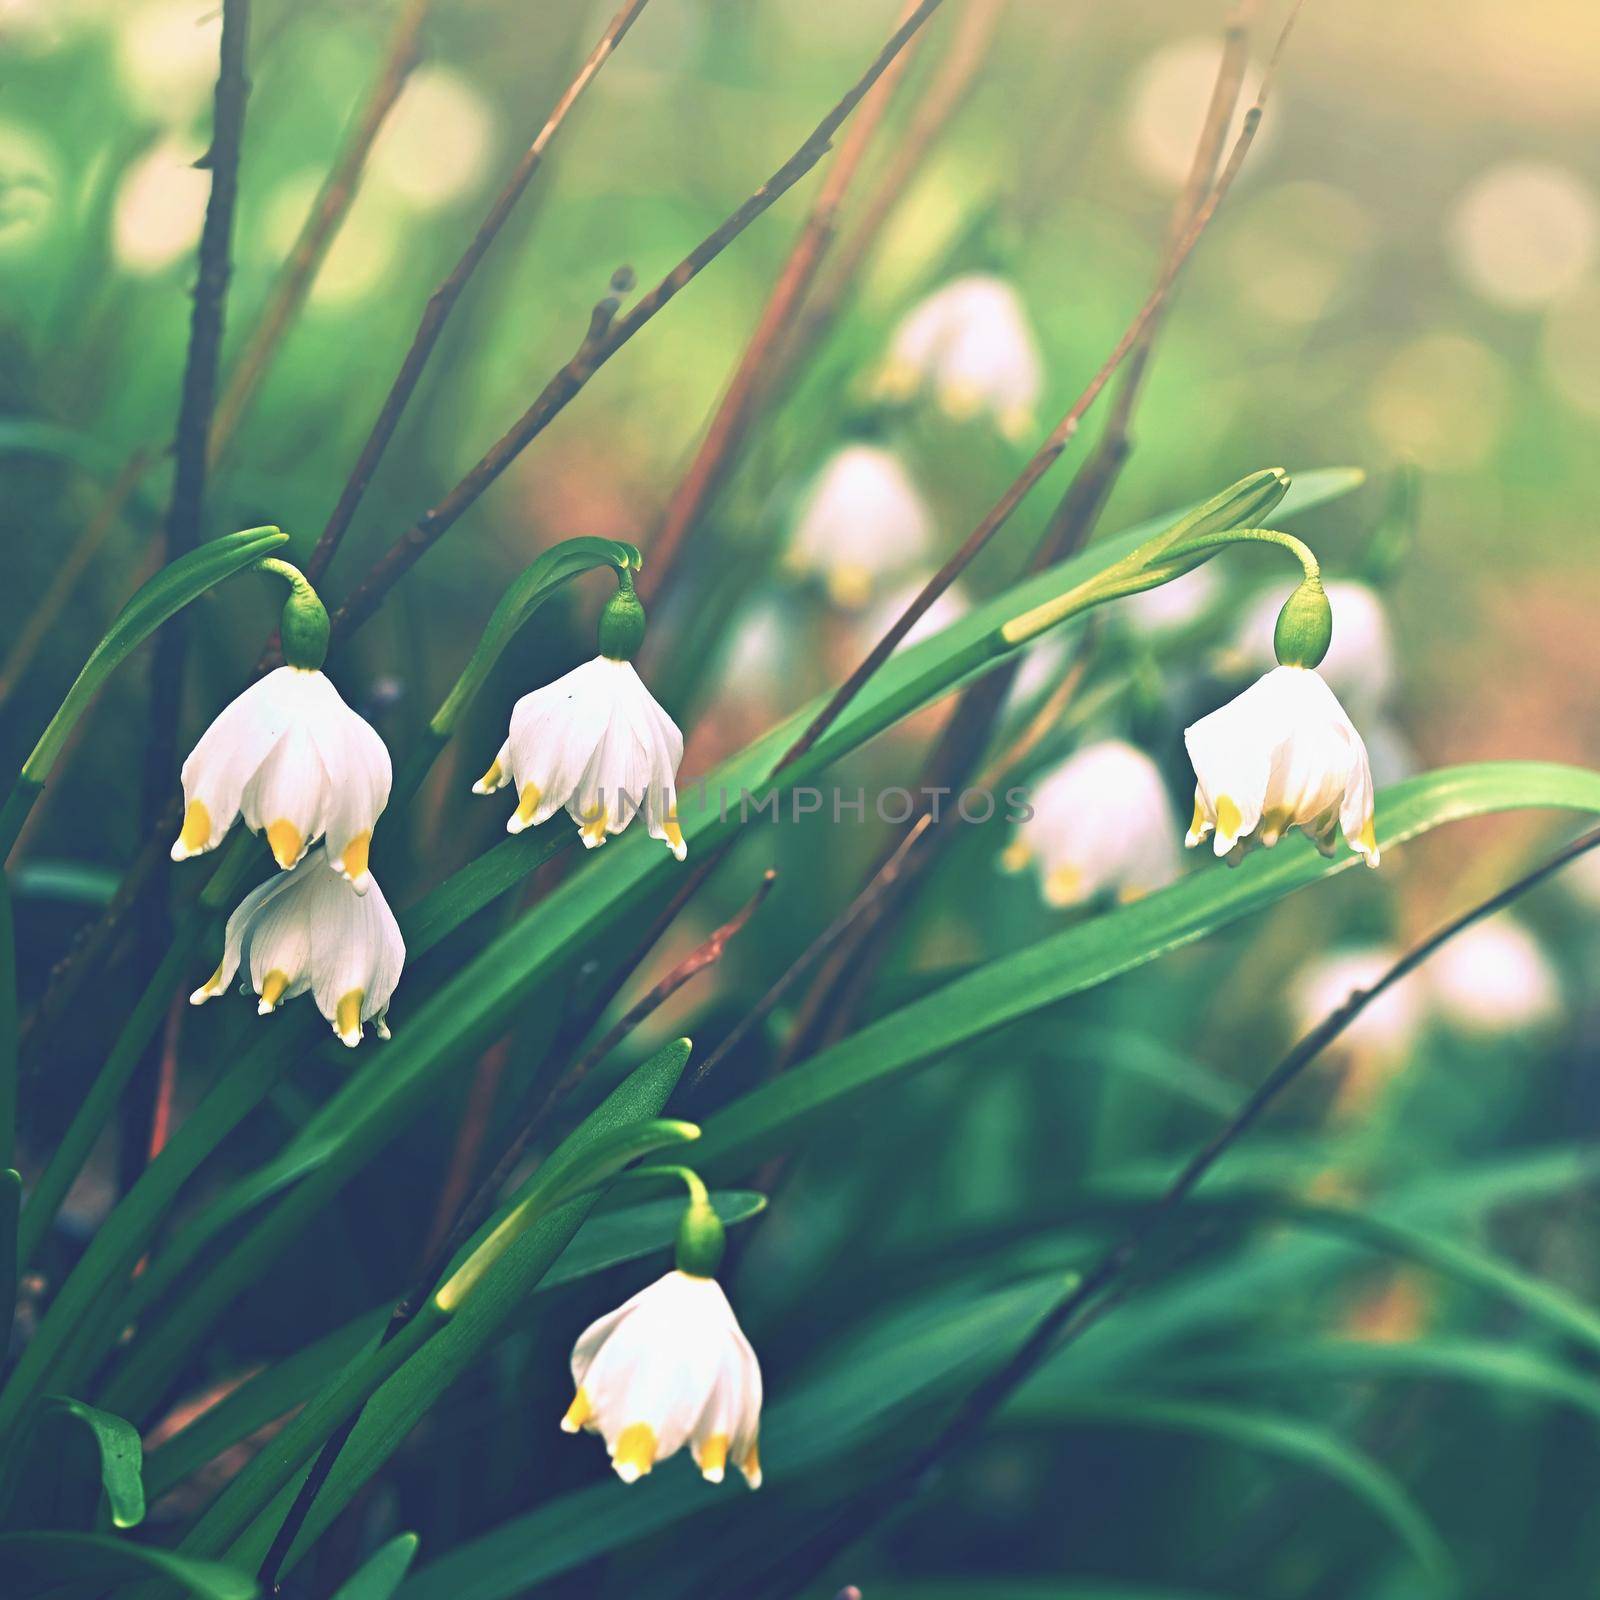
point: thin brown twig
(1076, 1310)
(443, 299)
(830, 936)
(848, 975)
(328, 212)
(593, 353)
(187, 507)
(941, 100)
(471, 1136)
(1057, 441)
(765, 355)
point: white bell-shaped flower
(1360, 664)
(862, 522)
(309, 929)
(1101, 820)
(971, 343)
(291, 757)
(948, 609)
(1493, 978)
(670, 1367)
(1281, 755)
(596, 742)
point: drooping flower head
(290, 757)
(862, 522)
(1101, 820)
(670, 1367)
(971, 344)
(1281, 755)
(311, 930)
(596, 742)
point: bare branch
(764, 357)
(328, 212)
(1057, 441)
(591, 355)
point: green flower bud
(1305, 626)
(701, 1237)
(304, 628)
(622, 622)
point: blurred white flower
(1167, 109)
(1386, 1027)
(1283, 754)
(1493, 978)
(297, 763)
(160, 208)
(596, 742)
(436, 143)
(670, 1367)
(1360, 664)
(1101, 820)
(309, 929)
(971, 343)
(167, 57)
(1170, 608)
(862, 522)
(1525, 233)
(949, 608)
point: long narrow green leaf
(10, 1200)
(378, 1099)
(10, 1028)
(393, 1411)
(37, 1564)
(606, 1240)
(845, 1411)
(382, 1572)
(1291, 1438)
(1502, 1367)
(120, 1453)
(1023, 982)
(152, 604)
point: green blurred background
(1408, 272)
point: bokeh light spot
(1525, 233)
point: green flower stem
(304, 628)
(701, 1236)
(1298, 548)
(15, 812)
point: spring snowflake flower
(1493, 978)
(1101, 820)
(310, 929)
(670, 1367)
(1283, 754)
(296, 762)
(862, 521)
(971, 344)
(596, 742)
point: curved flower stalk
(595, 742)
(672, 1367)
(1101, 820)
(971, 343)
(311, 930)
(862, 522)
(1281, 755)
(291, 758)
